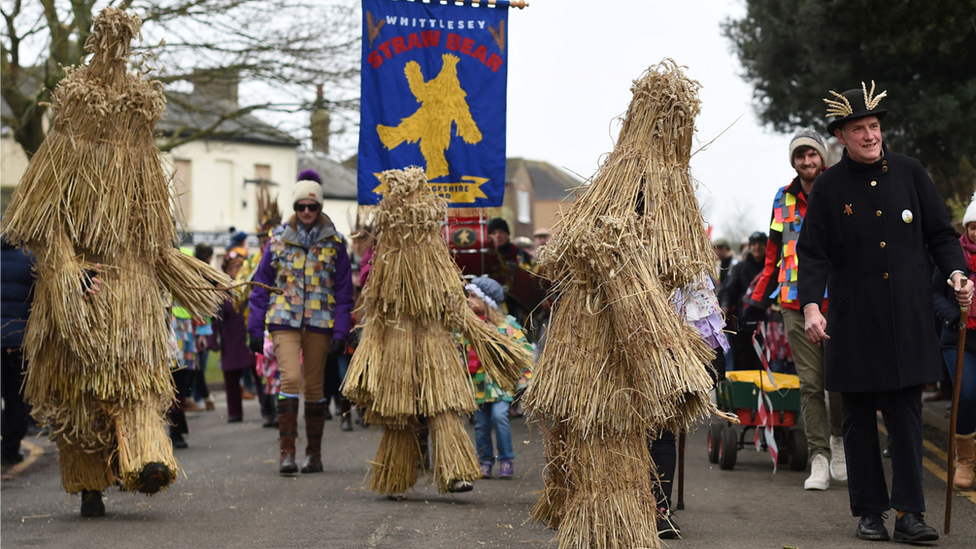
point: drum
(467, 238)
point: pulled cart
(739, 394)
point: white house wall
(218, 198)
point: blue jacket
(17, 289)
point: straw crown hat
(853, 104)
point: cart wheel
(782, 436)
(798, 449)
(714, 436)
(727, 448)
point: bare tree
(283, 49)
(738, 223)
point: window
(524, 207)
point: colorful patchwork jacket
(789, 209)
(317, 284)
(485, 389)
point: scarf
(308, 237)
(969, 253)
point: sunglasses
(309, 207)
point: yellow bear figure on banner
(442, 102)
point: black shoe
(91, 504)
(178, 441)
(667, 528)
(872, 528)
(346, 422)
(176, 435)
(13, 457)
(235, 419)
(911, 527)
(153, 478)
(459, 486)
(328, 414)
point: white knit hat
(809, 138)
(306, 188)
(970, 212)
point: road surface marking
(34, 451)
(377, 535)
(936, 469)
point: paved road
(229, 495)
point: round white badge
(907, 216)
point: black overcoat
(867, 237)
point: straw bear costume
(96, 193)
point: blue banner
(434, 81)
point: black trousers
(664, 452)
(902, 412)
(14, 418)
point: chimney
(219, 83)
(319, 123)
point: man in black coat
(872, 222)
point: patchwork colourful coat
(317, 284)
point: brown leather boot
(965, 459)
(314, 423)
(287, 433)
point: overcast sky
(571, 64)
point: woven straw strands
(96, 193)
(620, 365)
(408, 365)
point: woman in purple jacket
(230, 337)
(307, 260)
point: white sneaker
(819, 474)
(838, 460)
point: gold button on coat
(873, 183)
(884, 168)
(878, 213)
(882, 244)
(885, 276)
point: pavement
(230, 495)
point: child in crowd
(230, 334)
(485, 297)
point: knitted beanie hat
(488, 290)
(970, 212)
(809, 138)
(498, 223)
(308, 186)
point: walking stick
(681, 472)
(957, 383)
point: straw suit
(307, 322)
(867, 237)
(95, 199)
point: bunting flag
(765, 408)
(766, 421)
(434, 79)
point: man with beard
(808, 155)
